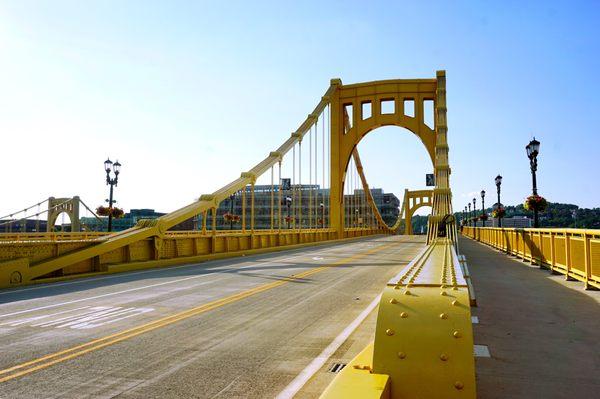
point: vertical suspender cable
(316, 196)
(324, 168)
(279, 191)
(272, 198)
(310, 177)
(299, 184)
(293, 188)
(244, 209)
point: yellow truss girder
(423, 344)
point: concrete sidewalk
(542, 332)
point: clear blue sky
(189, 94)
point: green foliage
(419, 224)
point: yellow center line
(79, 350)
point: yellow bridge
(423, 337)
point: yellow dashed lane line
(79, 350)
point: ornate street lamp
(469, 210)
(498, 181)
(322, 206)
(482, 207)
(474, 214)
(116, 169)
(533, 149)
(288, 202)
(231, 199)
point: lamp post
(482, 207)
(231, 199)
(474, 214)
(356, 211)
(498, 181)
(322, 206)
(116, 169)
(469, 209)
(465, 215)
(288, 202)
(533, 149)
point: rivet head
(456, 334)
(407, 292)
(408, 285)
(393, 301)
(443, 357)
(443, 293)
(443, 286)
(455, 288)
(404, 315)
(459, 385)
(401, 355)
(397, 287)
(455, 302)
(443, 316)
(389, 331)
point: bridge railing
(572, 252)
(52, 236)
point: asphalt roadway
(236, 328)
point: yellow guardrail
(20, 260)
(572, 252)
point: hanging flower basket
(535, 203)
(231, 218)
(288, 219)
(320, 222)
(102, 211)
(498, 213)
(483, 217)
(116, 213)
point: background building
(304, 209)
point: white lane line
(91, 311)
(94, 325)
(91, 317)
(14, 323)
(481, 351)
(294, 387)
(148, 286)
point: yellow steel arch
(351, 100)
(414, 200)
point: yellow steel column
(299, 208)
(407, 216)
(336, 195)
(214, 221)
(272, 200)
(252, 207)
(280, 198)
(244, 209)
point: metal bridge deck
(542, 332)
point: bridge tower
(386, 102)
(414, 200)
(70, 206)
